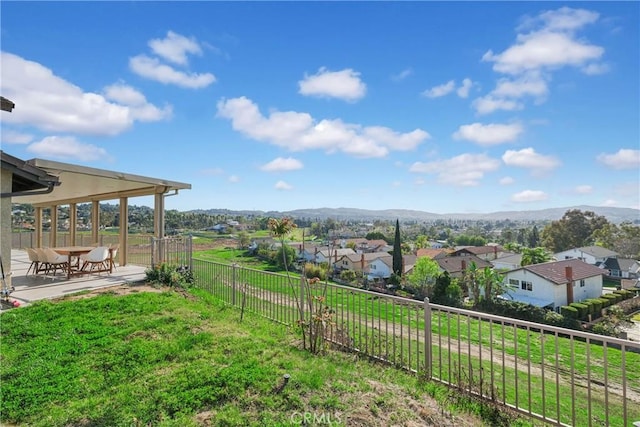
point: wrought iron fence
(556, 375)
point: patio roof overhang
(81, 184)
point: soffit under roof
(81, 184)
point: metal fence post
(302, 299)
(427, 338)
(233, 283)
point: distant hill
(613, 214)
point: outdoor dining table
(75, 251)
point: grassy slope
(179, 359)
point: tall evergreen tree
(397, 251)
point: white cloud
(52, 104)
(491, 134)
(140, 109)
(281, 185)
(153, 69)
(529, 196)
(345, 85)
(545, 43)
(212, 171)
(624, 159)
(595, 69)
(488, 104)
(281, 164)
(441, 90)
(529, 159)
(543, 50)
(463, 170)
(13, 137)
(175, 47)
(506, 180)
(563, 19)
(530, 84)
(402, 75)
(463, 91)
(66, 148)
(234, 178)
(299, 131)
(610, 202)
(583, 189)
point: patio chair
(114, 251)
(43, 261)
(56, 261)
(35, 261)
(97, 258)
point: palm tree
(534, 256)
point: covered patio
(29, 288)
(47, 184)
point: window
(514, 282)
(582, 283)
(526, 286)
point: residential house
(508, 261)
(457, 265)
(486, 253)
(380, 268)
(590, 254)
(624, 268)
(358, 262)
(408, 262)
(431, 253)
(554, 284)
(331, 256)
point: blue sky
(434, 106)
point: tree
(575, 229)
(376, 235)
(534, 237)
(534, 256)
(397, 251)
(243, 239)
(423, 276)
(446, 291)
(422, 242)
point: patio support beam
(95, 220)
(73, 223)
(38, 226)
(124, 230)
(158, 216)
(53, 231)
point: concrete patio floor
(38, 287)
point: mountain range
(613, 214)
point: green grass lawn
(183, 359)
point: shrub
(312, 270)
(583, 310)
(590, 307)
(569, 311)
(611, 298)
(597, 304)
(348, 275)
(625, 293)
(170, 275)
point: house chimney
(495, 252)
(362, 262)
(568, 272)
(463, 265)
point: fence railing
(556, 375)
(142, 249)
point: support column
(158, 222)
(73, 223)
(95, 220)
(37, 223)
(53, 233)
(158, 216)
(124, 230)
(6, 226)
